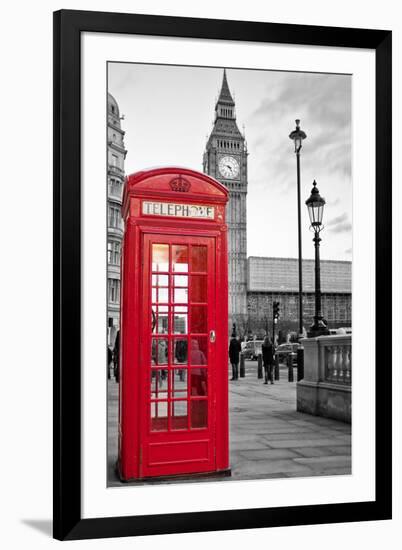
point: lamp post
(315, 206)
(297, 136)
(248, 321)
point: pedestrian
(109, 361)
(116, 356)
(234, 356)
(268, 360)
(197, 356)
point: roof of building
(113, 110)
(282, 275)
(225, 96)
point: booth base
(218, 474)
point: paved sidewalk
(268, 437)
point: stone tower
(116, 153)
(225, 159)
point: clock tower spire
(225, 158)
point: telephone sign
(178, 210)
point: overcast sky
(168, 114)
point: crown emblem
(180, 184)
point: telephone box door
(178, 355)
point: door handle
(212, 336)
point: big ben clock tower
(225, 159)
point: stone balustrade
(326, 389)
(338, 362)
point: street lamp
(315, 206)
(297, 136)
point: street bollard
(300, 364)
(290, 368)
(259, 366)
(276, 367)
(242, 366)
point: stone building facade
(276, 279)
(225, 159)
(116, 154)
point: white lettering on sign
(178, 210)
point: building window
(114, 217)
(113, 253)
(114, 160)
(114, 187)
(114, 291)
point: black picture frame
(68, 27)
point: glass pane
(180, 351)
(198, 350)
(159, 351)
(180, 280)
(154, 295)
(198, 319)
(199, 413)
(198, 288)
(199, 382)
(159, 319)
(180, 258)
(162, 324)
(180, 296)
(179, 415)
(160, 257)
(159, 383)
(160, 280)
(159, 421)
(163, 295)
(179, 383)
(198, 258)
(180, 323)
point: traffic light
(276, 311)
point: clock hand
(230, 168)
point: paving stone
(325, 461)
(268, 454)
(308, 435)
(322, 451)
(269, 467)
(322, 473)
(291, 443)
(246, 445)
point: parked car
(340, 330)
(284, 350)
(252, 349)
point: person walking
(268, 360)
(116, 356)
(234, 356)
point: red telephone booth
(173, 401)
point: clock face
(229, 167)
